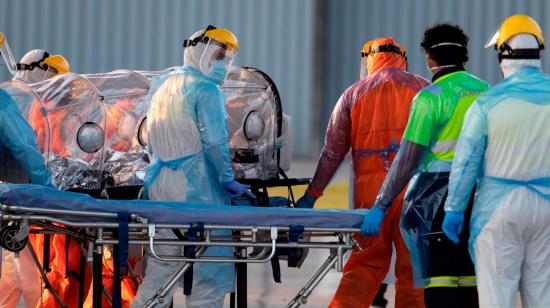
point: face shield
(364, 60)
(5, 50)
(364, 68)
(216, 60)
(492, 41)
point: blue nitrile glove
(236, 189)
(307, 201)
(452, 225)
(372, 221)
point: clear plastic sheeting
(256, 125)
(427, 192)
(88, 126)
(124, 94)
(56, 109)
(93, 133)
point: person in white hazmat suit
(504, 147)
(19, 273)
(187, 134)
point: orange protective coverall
(116, 114)
(63, 276)
(370, 118)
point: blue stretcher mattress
(36, 196)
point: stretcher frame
(101, 228)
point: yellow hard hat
(58, 63)
(220, 35)
(516, 24)
(224, 36)
(2, 39)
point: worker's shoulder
(391, 77)
(534, 88)
(457, 82)
(473, 80)
(5, 98)
(430, 92)
(4, 94)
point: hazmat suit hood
(37, 74)
(520, 41)
(375, 62)
(192, 55)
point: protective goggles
(384, 48)
(37, 64)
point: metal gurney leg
(47, 284)
(336, 255)
(171, 281)
(305, 292)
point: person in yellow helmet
(187, 137)
(503, 148)
(37, 65)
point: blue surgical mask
(218, 71)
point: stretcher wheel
(8, 240)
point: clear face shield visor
(5, 50)
(215, 52)
(364, 67)
(492, 41)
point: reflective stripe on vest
(441, 282)
(467, 281)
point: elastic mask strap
(447, 44)
(443, 66)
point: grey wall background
(309, 47)
(104, 35)
(351, 23)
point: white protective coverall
(504, 146)
(187, 132)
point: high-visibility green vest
(437, 113)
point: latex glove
(452, 225)
(372, 221)
(236, 189)
(307, 201)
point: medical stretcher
(95, 223)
